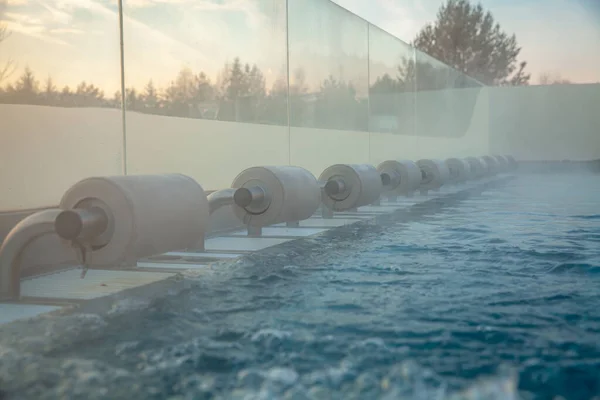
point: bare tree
(9, 66)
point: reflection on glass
(392, 83)
(328, 55)
(207, 60)
(445, 98)
(60, 54)
(59, 71)
(431, 73)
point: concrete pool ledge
(64, 292)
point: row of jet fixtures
(120, 219)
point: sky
(78, 40)
(558, 37)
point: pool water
(496, 296)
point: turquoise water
(496, 296)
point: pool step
(69, 285)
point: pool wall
(545, 123)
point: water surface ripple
(493, 297)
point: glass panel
(464, 93)
(328, 49)
(207, 60)
(195, 71)
(391, 97)
(392, 83)
(445, 98)
(59, 68)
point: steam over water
(495, 297)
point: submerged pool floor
(496, 297)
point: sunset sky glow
(77, 40)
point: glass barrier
(207, 61)
(432, 100)
(61, 122)
(328, 62)
(210, 89)
(206, 88)
(445, 99)
(328, 56)
(391, 97)
(391, 84)
(466, 105)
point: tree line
(240, 94)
